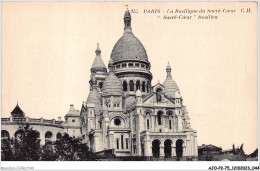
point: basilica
(125, 113)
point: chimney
(59, 119)
(72, 106)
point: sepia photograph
(168, 84)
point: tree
(70, 149)
(24, 147)
(48, 153)
(6, 150)
(27, 147)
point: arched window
(170, 124)
(159, 95)
(100, 84)
(159, 116)
(130, 65)
(58, 136)
(100, 124)
(137, 85)
(117, 143)
(147, 123)
(122, 141)
(48, 137)
(131, 84)
(124, 86)
(143, 86)
(126, 143)
(123, 65)
(137, 65)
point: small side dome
(138, 93)
(177, 94)
(170, 86)
(112, 85)
(93, 97)
(72, 111)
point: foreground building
(48, 130)
(123, 112)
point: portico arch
(156, 148)
(179, 148)
(167, 148)
(48, 137)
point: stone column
(11, 118)
(166, 122)
(155, 122)
(151, 149)
(163, 121)
(161, 150)
(112, 144)
(173, 150)
(179, 123)
(152, 122)
(148, 145)
(42, 137)
(184, 151)
(96, 143)
(26, 119)
(195, 145)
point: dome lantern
(111, 65)
(169, 70)
(127, 20)
(98, 51)
(170, 86)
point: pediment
(158, 85)
(151, 99)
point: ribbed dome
(128, 47)
(170, 86)
(93, 97)
(112, 85)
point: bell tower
(98, 70)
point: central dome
(128, 47)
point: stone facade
(124, 112)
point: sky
(48, 49)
